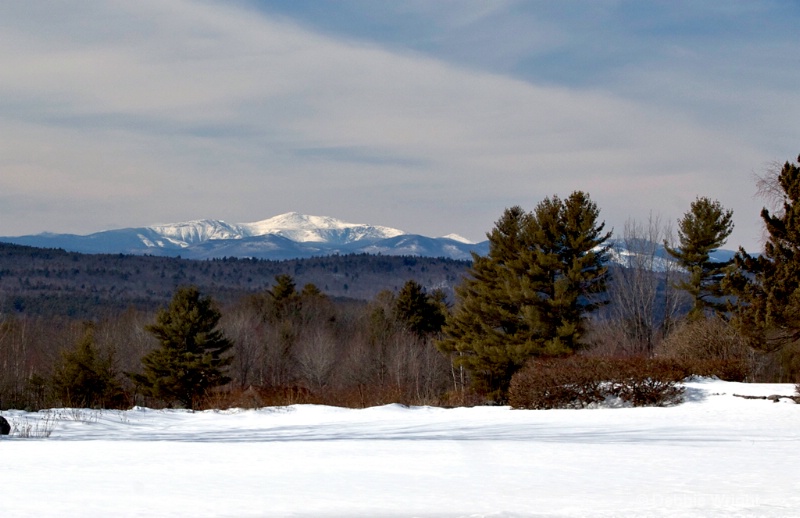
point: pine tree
(701, 231)
(568, 246)
(767, 286)
(191, 359)
(87, 376)
(419, 312)
(529, 297)
(284, 300)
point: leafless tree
(316, 357)
(768, 186)
(244, 328)
(643, 304)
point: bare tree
(768, 186)
(316, 357)
(244, 327)
(643, 305)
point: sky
(430, 117)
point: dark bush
(581, 381)
(647, 381)
(572, 382)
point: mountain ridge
(286, 236)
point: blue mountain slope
(164, 240)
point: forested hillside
(50, 282)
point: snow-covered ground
(714, 455)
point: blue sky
(428, 116)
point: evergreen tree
(419, 312)
(544, 273)
(568, 248)
(701, 231)
(285, 287)
(284, 300)
(191, 359)
(311, 292)
(87, 376)
(767, 286)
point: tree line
(280, 345)
(547, 290)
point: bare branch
(768, 186)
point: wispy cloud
(129, 113)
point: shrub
(647, 381)
(710, 347)
(257, 397)
(571, 382)
(581, 381)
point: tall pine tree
(767, 286)
(191, 359)
(701, 231)
(530, 295)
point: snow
(192, 232)
(714, 455)
(460, 239)
(304, 228)
(298, 227)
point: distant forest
(52, 282)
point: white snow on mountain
(297, 227)
(192, 232)
(642, 261)
(294, 235)
(460, 239)
(303, 229)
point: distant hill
(38, 281)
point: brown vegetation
(581, 381)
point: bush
(647, 381)
(572, 382)
(581, 381)
(711, 347)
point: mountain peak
(305, 228)
(297, 221)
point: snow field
(714, 455)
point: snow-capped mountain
(317, 229)
(286, 236)
(293, 226)
(294, 235)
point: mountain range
(287, 236)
